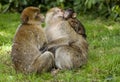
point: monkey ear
(74, 15)
(24, 19)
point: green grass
(103, 64)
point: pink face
(66, 14)
(53, 15)
(58, 12)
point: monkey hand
(43, 49)
(52, 49)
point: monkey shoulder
(28, 33)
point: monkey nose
(42, 20)
(62, 13)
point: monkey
(28, 40)
(70, 47)
(70, 16)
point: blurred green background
(97, 8)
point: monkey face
(39, 17)
(57, 12)
(31, 15)
(53, 14)
(69, 13)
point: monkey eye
(59, 10)
(37, 13)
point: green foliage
(104, 8)
(6, 30)
(103, 64)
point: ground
(103, 64)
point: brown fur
(28, 40)
(72, 48)
(70, 16)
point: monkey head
(53, 14)
(31, 15)
(69, 13)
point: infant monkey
(70, 16)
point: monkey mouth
(42, 20)
(65, 18)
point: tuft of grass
(103, 64)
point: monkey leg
(47, 62)
(67, 58)
(63, 59)
(43, 63)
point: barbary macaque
(70, 16)
(70, 47)
(28, 40)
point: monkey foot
(54, 71)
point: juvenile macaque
(28, 40)
(70, 47)
(70, 16)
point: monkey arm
(44, 48)
(58, 42)
(51, 46)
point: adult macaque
(70, 16)
(28, 40)
(71, 50)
